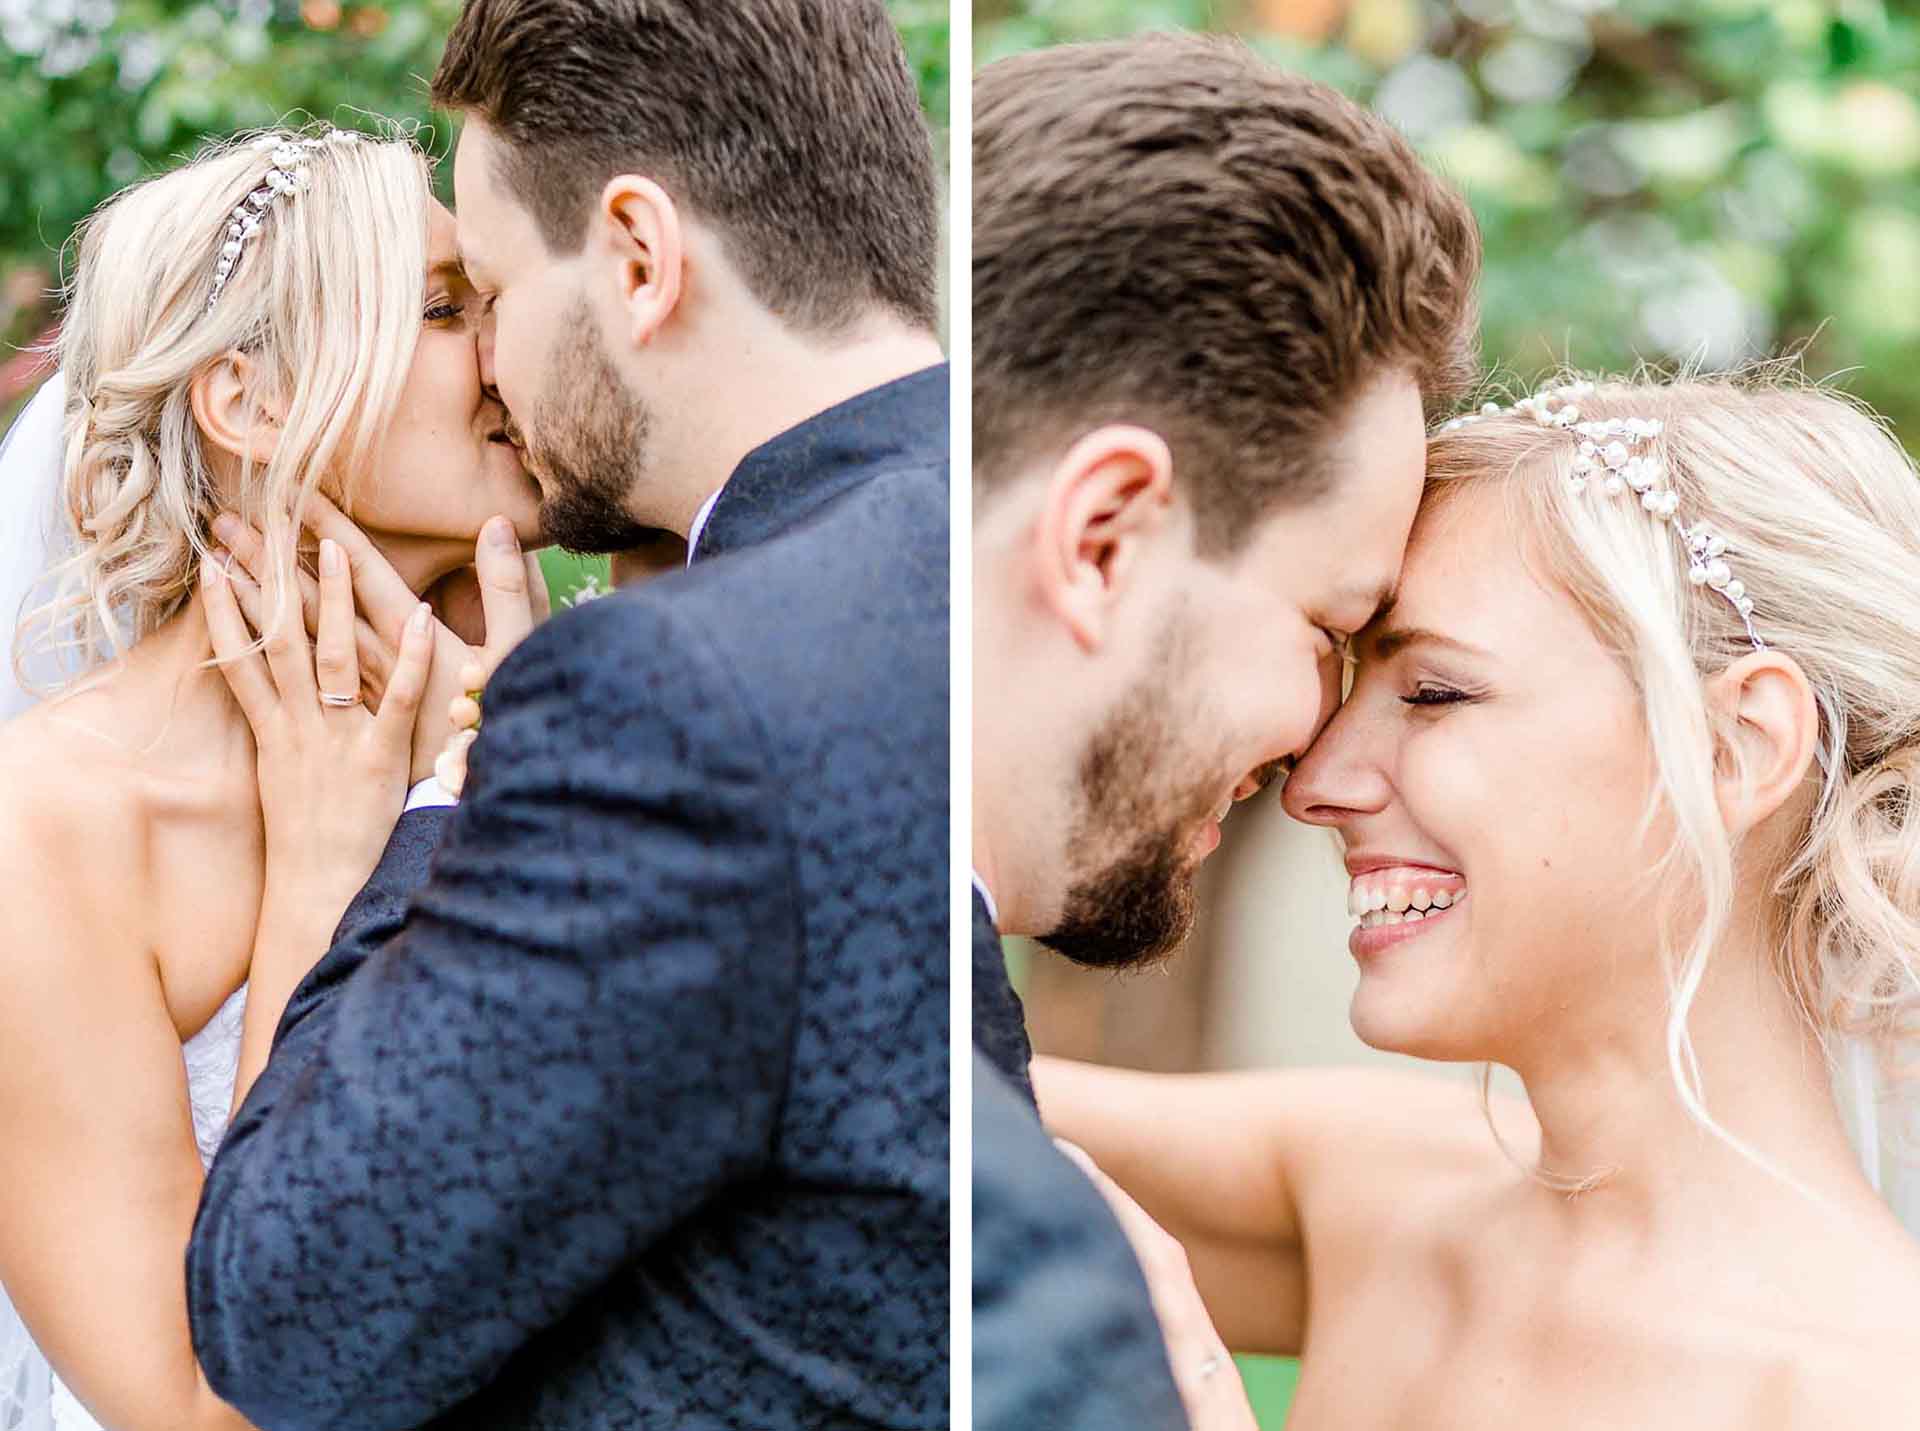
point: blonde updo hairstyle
(1820, 507)
(325, 302)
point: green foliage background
(1660, 180)
(1650, 175)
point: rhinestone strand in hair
(1621, 455)
(286, 178)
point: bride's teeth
(1421, 899)
(1411, 916)
(1442, 900)
(1376, 898)
(1398, 902)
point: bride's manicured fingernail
(500, 533)
(226, 527)
(330, 562)
(422, 614)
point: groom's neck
(771, 381)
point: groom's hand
(508, 588)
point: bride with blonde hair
(1627, 782)
(278, 324)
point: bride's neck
(164, 701)
(1609, 1107)
(422, 561)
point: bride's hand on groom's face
(496, 604)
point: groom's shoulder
(856, 593)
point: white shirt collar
(700, 522)
(986, 898)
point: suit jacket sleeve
(1064, 1336)
(574, 1032)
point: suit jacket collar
(901, 424)
(999, 1022)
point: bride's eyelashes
(1434, 693)
(444, 311)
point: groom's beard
(587, 445)
(1136, 907)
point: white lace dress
(32, 1398)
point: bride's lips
(1398, 900)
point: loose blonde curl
(1821, 508)
(325, 302)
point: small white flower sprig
(1620, 454)
(287, 177)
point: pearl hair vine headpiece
(287, 177)
(1620, 454)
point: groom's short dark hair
(792, 126)
(1170, 231)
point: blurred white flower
(1530, 70)
(588, 590)
(1697, 314)
(1426, 97)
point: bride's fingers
(400, 705)
(284, 636)
(537, 588)
(384, 596)
(335, 660)
(249, 548)
(372, 656)
(504, 586)
(245, 672)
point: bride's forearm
(1197, 1152)
(293, 933)
(1193, 1149)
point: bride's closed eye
(444, 311)
(1432, 693)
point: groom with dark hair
(1210, 302)
(620, 1099)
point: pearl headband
(286, 177)
(1619, 454)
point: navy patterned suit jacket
(621, 1100)
(1064, 1335)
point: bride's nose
(1335, 782)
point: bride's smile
(1588, 838)
(1489, 743)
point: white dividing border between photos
(960, 758)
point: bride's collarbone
(1471, 1329)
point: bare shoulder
(1850, 1356)
(69, 832)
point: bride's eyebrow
(446, 270)
(1389, 643)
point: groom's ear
(233, 413)
(1107, 499)
(642, 237)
